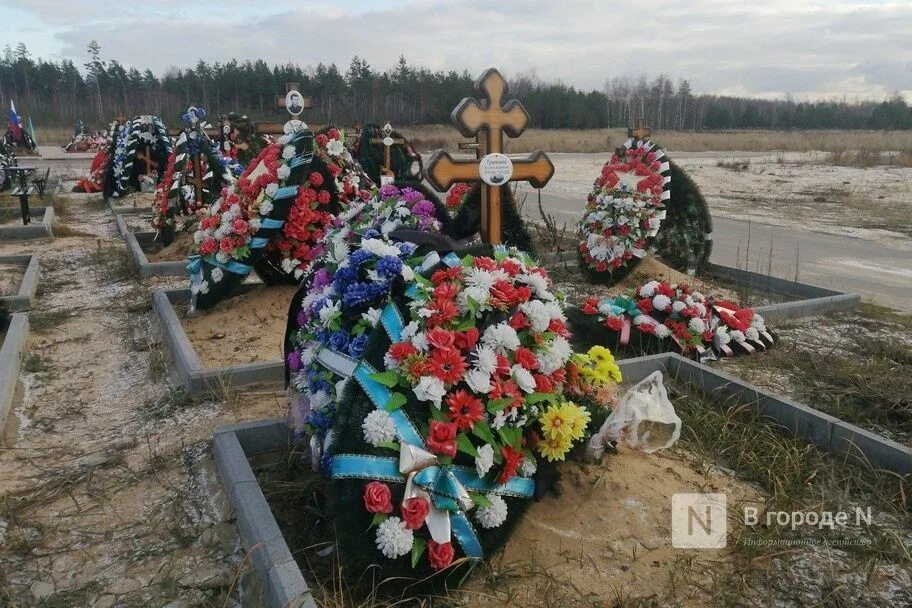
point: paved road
(878, 272)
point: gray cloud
(842, 47)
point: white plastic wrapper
(644, 420)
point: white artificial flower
(378, 428)
(678, 306)
(500, 419)
(548, 362)
(485, 460)
(335, 147)
(420, 342)
(319, 400)
(501, 337)
(758, 322)
(393, 538)
(494, 515)
(430, 388)
(288, 152)
(198, 236)
(217, 274)
(265, 207)
(528, 467)
(308, 355)
(649, 289)
(380, 248)
(538, 283)
(485, 359)
(479, 295)
(523, 378)
(538, 314)
(221, 257)
(478, 381)
(697, 324)
(701, 309)
(407, 273)
(561, 348)
(283, 172)
(723, 335)
(661, 302)
(479, 277)
(388, 226)
(372, 316)
(737, 336)
(409, 330)
(329, 310)
(752, 333)
(662, 331)
(272, 188)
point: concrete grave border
(196, 378)
(116, 210)
(282, 578)
(11, 362)
(25, 298)
(135, 242)
(40, 230)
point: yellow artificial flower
(600, 355)
(577, 419)
(555, 423)
(609, 372)
(555, 448)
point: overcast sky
(810, 49)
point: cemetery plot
(147, 253)
(601, 525)
(132, 203)
(233, 343)
(13, 332)
(12, 228)
(18, 282)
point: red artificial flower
(512, 459)
(378, 498)
(506, 389)
(226, 245)
(315, 179)
(465, 409)
(447, 364)
(440, 338)
(441, 438)
(333, 133)
(645, 305)
(466, 340)
(208, 246)
(445, 291)
(511, 267)
(590, 306)
(322, 140)
(414, 512)
(334, 169)
(401, 350)
(440, 555)
(323, 197)
(239, 226)
(442, 311)
(543, 384)
(614, 323)
(518, 320)
(485, 263)
(445, 274)
(526, 358)
(503, 295)
(557, 326)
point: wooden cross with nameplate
(197, 180)
(149, 163)
(640, 130)
(388, 142)
(489, 119)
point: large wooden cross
(148, 161)
(489, 119)
(388, 142)
(640, 130)
(199, 184)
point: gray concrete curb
(25, 298)
(272, 560)
(10, 362)
(124, 210)
(285, 584)
(198, 379)
(135, 242)
(41, 230)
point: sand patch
(137, 200)
(10, 279)
(178, 250)
(243, 329)
(608, 535)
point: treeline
(59, 93)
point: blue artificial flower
(389, 267)
(370, 233)
(339, 340)
(357, 346)
(406, 249)
(356, 294)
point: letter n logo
(699, 521)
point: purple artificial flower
(423, 208)
(410, 195)
(294, 361)
(389, 191)
(322, 278)
(302, 317)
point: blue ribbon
(268, 222)
(257, 242)
(195, 265)
(451, 259)
(392, 322)
(380, 396)
(285, 192)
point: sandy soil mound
(243, 329)
(178, 250)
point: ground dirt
(10, 279)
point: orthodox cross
(388, 141)
(293, 101)
(148, 162)
(196, 132)
(640, 130)
(489, 119)
(197, 181)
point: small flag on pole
(14, 122)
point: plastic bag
(644, 420)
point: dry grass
(432, 137)
(866, 158)
(53, 136)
